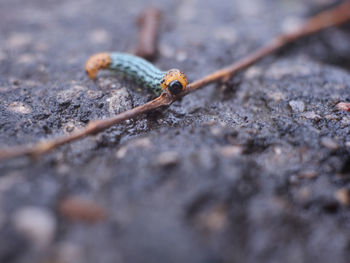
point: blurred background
(252, 171)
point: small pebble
(343, 196)
(181, 56)
(277, 150)
(142, 143)
(253, 72)
(26, 59)
(63, 169)
(312, 115)
(304, 194)
(214, 219)
(167, 159)
(297, 106)
(166, 51)
(226, 33)
(18, 40)
(276, 96)
(119, 101)
(279, 70)
(329, 143)
(108, 83)
(19, 107)
(66, 96)
(37, 224)
(99, 36)
(16, 82)
(78, 209)
(69, 252)
(345, 121)
(216, 131)
(121, 153)
(343, 106)
(209, 123)
(94, 94)
(308, 174)
(231, 151)
(293, 179)
(71, 126)
(334, 117)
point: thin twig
(328, 18)
(332, 17)
(82, 210)
(149, 23)
(92, 128)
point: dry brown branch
(149, 23)
(92, 128)
(81, 210)
(332, 17)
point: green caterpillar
(140, 70)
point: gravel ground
(254, 172)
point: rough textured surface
(256, 172)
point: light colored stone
(19, 107)
(343, 106)
(169, 158)
(276, 96)
(141, 143)
(297, 106)
(69, 252)
(311, 115)
(226, 33)
(99, 36)
(26, 58)
(216, 131)
(166, 51)
(343, 196)
(329, 143)
(253, 72)
(279, 71)
(119, 101)
(67, 95)
(181, 55)
(37, 224)
(231, 151)
(18, 40)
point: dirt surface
(256, 172)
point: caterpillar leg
(97, 62)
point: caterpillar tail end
(97, 62)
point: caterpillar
(140, 70)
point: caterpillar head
(175, 81)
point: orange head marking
(175, 81)
(97, 62)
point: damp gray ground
(246, 173)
